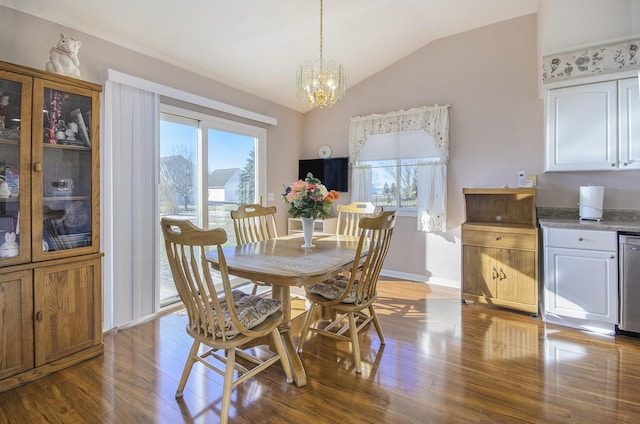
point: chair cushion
(333, 288)
(251, 310)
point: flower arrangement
(309, 198)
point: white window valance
(401, 135)
(434, 120)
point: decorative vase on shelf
(307, 231)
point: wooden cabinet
(15, 165)
(580, 278)
(327, 225)
(65, 298)
(16, 323)
(592, 127)
(50, 264)
(500, 248)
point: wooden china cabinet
(50, 263)
(500, 248)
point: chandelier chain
(321, 15)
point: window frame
(399, 128)
(204, 123)
(402, 210)
(207, 122)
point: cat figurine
(10, 247)
(63, 59)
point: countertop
(621, 220)
(604, 225)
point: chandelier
(321, 83)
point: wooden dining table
(283, 263)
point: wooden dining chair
(350, 215)
(351, 298)
(253, 223)
(225, 323)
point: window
(393, 161)
(208, 167)
(399, 162)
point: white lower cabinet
(581, 278)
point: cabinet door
(67, 309)
(480, 272)
(629, 112)
(65, 182)
(516, 280)
(15, 159)
(582, 128)
(581, 284)
(16, 323)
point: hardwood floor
(443, 363)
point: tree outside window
(177, 173)
(387, 176)
(246, 187)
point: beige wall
(571, 24)
(489, 76)
(26, 40)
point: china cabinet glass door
(15, 136)
(64, 178)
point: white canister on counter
(591, 202)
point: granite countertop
(608, 225)
(612, 220)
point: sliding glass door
(208, 166)
(231, 176)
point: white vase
(307, 231)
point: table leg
(283, 294)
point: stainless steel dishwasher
(629, 283)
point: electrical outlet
(532, 180)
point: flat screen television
(333, 172)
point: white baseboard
(422, 278)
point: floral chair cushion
(251, 310)
(333, 288)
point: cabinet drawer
(581, 239)
(500, 240)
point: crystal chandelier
(321, 83)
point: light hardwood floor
(443, 363)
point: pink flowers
(309, 198)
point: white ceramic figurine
(5, 190)
(10, 247)
(64, 57)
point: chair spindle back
(254, 223)
(349, 216)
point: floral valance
(434, 120)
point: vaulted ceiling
(257, 45)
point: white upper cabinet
(629, 130)
(593, 127)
